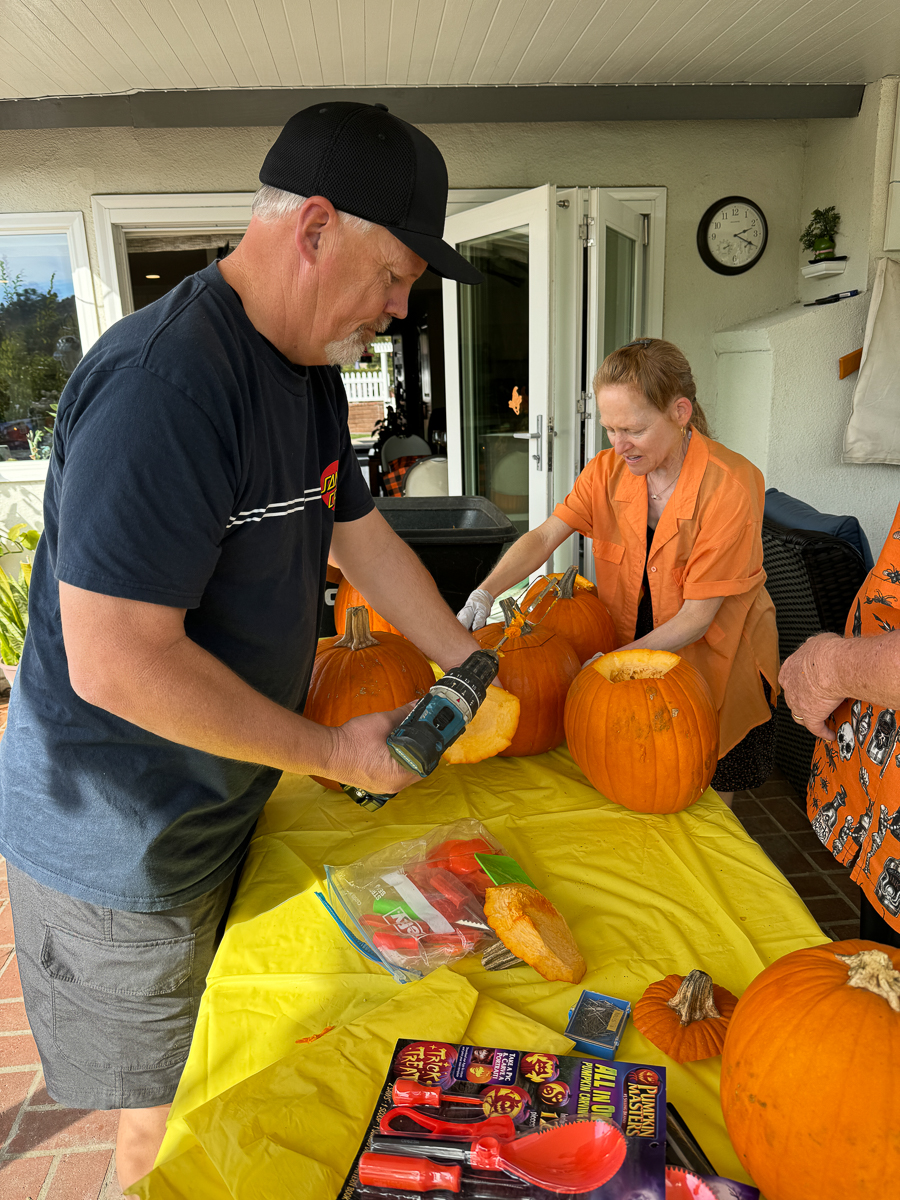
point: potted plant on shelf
(14, 597)
(818, 236)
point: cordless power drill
(436, 722)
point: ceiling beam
(441, 105)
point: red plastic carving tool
(685, 1185)
(498, 1125)
(389, 1170)
(567, 1158)
(407, 1092)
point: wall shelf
(826, 267)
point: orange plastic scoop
(568, 1158)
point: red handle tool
(407, 1092)
(390, 1170)
(498, 1125)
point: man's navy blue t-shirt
(193, 466)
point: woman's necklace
(659, 495)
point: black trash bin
(458, 538)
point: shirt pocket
(120, 1005)
(608, 551)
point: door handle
(537, 436)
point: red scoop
(568, 1158)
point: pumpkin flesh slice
(491, 730)
(531, 927)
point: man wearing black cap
(202, 475)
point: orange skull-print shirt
(853, 798)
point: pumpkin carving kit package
(486, 1123)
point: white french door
(564, 276)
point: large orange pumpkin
(572, 609)
(809, 1074)
(642, 726)
(363, 672)
(348, 597)
(538, 667)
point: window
(47, 320)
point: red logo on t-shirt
(329, 484)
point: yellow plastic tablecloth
(259, 1116)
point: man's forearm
(186, 695)
(862, 668)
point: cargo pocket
(608, 551)
(122, 1005)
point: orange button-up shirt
(707, 544)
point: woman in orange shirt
(675, 520)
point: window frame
(72, 225)
(177, 212)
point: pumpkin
(490, 731)
(363, 672)
(808, 1083)
(567, 604)
(530, 927)
(538, 667)
(643, 727)
(348, 597)
(685, 1016)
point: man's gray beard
(348, 349)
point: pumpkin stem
(694, 999)
(513, 616)
(874, 971)
(357, 635)
(566, 585)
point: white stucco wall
(698, 161)
(780, 401)
(787, 167)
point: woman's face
(648, 440)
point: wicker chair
(812, 579)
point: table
(645, 896)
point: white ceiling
(89, 47)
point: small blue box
(596, 1024)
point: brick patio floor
(48, 1152)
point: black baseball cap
(370, 164)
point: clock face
(732, 234)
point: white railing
(371, 385)
(366, 385)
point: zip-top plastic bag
(416, 905)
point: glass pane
(39, 340)
(618, 312)
(493, 372)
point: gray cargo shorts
(112, 996)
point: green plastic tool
(384, 906)
(500, 869)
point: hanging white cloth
(873, 431)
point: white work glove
(476, 609)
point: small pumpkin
(531, 927)
(567, 604)
(808, 1082)
(363, 672)
(538, 667)
(643, 727)
(685, 1016)
(348, 597)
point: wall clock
(732, 235)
